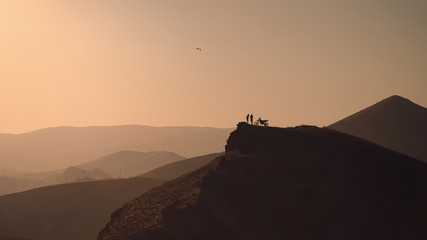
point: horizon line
(118, 125)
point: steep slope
(60, 147)
(294, 183)
(395, 123)
(68, 211)
(179, 168)
(131, 163)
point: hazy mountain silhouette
(74, 174)
(35, 176)
(131, 163)
(11, 185)
(179, 168)
(67, 211)
(58, 148)
(395, 123)
(294, 183)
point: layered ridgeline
(122, 164)
(75, 174)
(131, 163)
(72, 174)
(61, 147)
(291, 183)
(395, 123)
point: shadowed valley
(80, 210)
(67, 211)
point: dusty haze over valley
(240, 119)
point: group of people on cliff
(251, 117)
(257, 122)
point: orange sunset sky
(82, 63)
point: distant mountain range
(75, 174)
(61, 147)
(395, 123)
(131, 163)
(68, 211)
(293, 183)
(122, 164)
(55, 205)
(10, 185)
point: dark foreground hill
(395, 123)
(294, 183)
(68, 211)
(176, 169)
(11, 238)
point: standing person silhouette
(252, 119)
(247, 118)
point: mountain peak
(397, 97)
(395, 123)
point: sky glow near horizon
(85, 63)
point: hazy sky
(80, 62)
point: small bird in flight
(198, 49)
